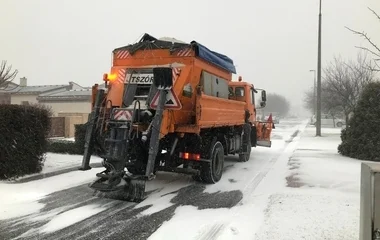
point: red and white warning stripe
(122, 54)
(122, 115)
(176, 72)
(121, 75)
(184, 52)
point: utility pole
(319, 98)
(314, 92)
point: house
(65, 98)
(70, 103)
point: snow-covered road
(63, 207)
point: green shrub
(361, 138)
(77, 147)
(23, 139)
(66, 147)
(70, 147)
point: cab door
(251, 104)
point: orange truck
(170, 106)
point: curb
(52, 174)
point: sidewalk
(321, 199)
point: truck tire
(211, 172)
(244, 157)
(247, 145)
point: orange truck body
(198, 112)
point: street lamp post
(319, 98)
(314, 91)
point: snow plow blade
(131, 190)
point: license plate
(139, 78)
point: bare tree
(344, 81)
(342, 84)
(6, 74)
(374, 49)
(327, 103)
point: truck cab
(245, 92)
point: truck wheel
(244, 157)
(211, 172)
(339, 124)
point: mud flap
(263, 143)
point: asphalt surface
(122, 220)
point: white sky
(272, 42)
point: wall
(19, 98)
(70, 123)
(69, 107)
(84, 116)
(5, 98)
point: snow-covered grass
(56, 162)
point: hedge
(23, 139)
(70, 147)
(361, 138)
(74, 147)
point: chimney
(23, 82)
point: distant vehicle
(328, 120)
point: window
(239, 92)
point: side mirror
(263, 96)
(262, 104)
(163, 78)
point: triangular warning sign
(172, 101)
(169, 102)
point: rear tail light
(190, 156)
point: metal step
(115, 140)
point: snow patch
(12, 210)
(197, 226)
(71, 217)
(313, 216)
(21, 199)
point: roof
(8, 87)
(150, 42)
(77, 94)
(37, 89)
